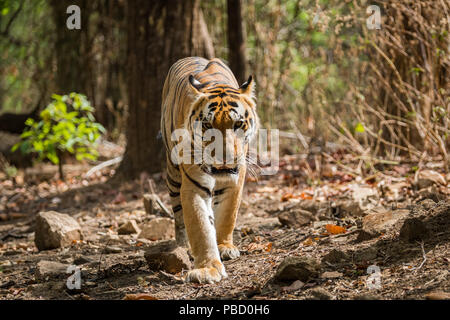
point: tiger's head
(227, 120)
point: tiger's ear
(248, 87)
(195, 84)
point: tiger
(205, 198)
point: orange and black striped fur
(206, 197)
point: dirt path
(113, 266)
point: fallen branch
(102, 166)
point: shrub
(67, 125)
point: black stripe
(233, 104)
(177, 208)
(219, 192)
(168, 188)
(173, 194)
(207, 191)
(214, 62)
(172, 182)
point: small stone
(349, 208)
(427, 204)
(82, 260)
(297, 268)
(413, 229)
(319, 294)
(427, 178)
(334, 256)
(331, 275)
(378, 222)
(320, 224)
(129, 227)
(150, 204)
(56, 230)
(367, 254)
(113, 249)
(167, 256)
(295, 218)
(158, 229)
(50, 269)
(296, 285)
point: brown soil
(408, 270)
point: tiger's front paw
(228, 251)
(213, 272)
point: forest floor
(323, 220)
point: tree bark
(236, 40)
(70, 47)
(159, 33)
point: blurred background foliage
(321, 74)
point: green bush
(67, 125)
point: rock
(297, 268)
(365, 255)
(438, 295)
(129, 227)
(167, 256)
(331, 275)
(320, 224)
(427, 178)
(296, 285)
(50, 269)
(413, 229)
(82, 260)
(150, 204)
(334, 256)
(378, 222)
(427, 204)
(432, 194)
(113, 249)
(55, 230)
(319, 294)
(349, 208)
(158, 229)
(295, 218)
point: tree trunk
(159, 33)
(70, 47)
(236, 40)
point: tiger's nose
(229, 169)
(224, 166)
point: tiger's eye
(207, 125)
(238, 124)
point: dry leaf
(333, 229)
(287, 196)
(305, 196)
(308, 242)
(139, 296)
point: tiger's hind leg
(173, 181)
